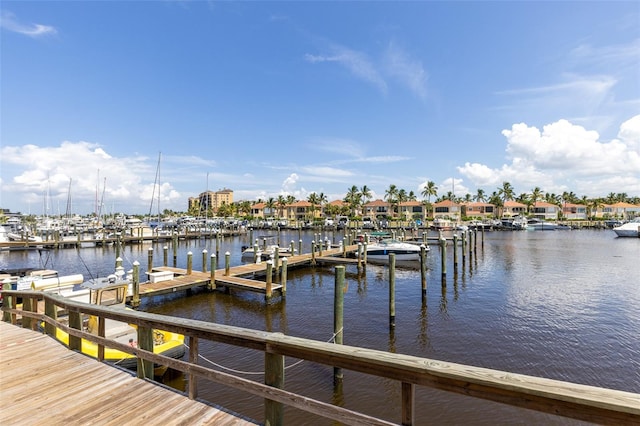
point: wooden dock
(241, 277)
(43, 382)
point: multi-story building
(211, 200)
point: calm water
(562, 305)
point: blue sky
(270, 98)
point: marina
(561, 305)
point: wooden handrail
(566, 399)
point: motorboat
(380, 250)
(113, 290)
(250, 255)
(629, 229)
(440, 224)
(515, 223)
(541, 225)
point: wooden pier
(241, 277)
(43, 382)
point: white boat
(250, 255)
(440, 224)
(541, 225)
(380, 250)
(629, 229)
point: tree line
(357, 197)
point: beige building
(212, 200)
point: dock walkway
(43, 382)
(240, 277)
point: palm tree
(282, 202)
(391, 197)
(322, 199)
(270, 206)
(353, 198)
(480, 196)
(365, 193)
(245, 207)
(496, 200)
(429, 189)
(506, 191)
(313, 199)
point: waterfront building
(545, 211)
(447, 209)
(411, 210)
(478, 209)
(575, 211)
(377, 209)
(210, 200)
(513, 208)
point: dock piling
(338, 315)
(392, 290)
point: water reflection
(547, 304)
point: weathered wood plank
(43, 382)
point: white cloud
(324, 171)
(127, 182)
(565, 155)
(289, 184)
(356, 62)
(408, 71)
(8, 22)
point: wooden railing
(571, 400)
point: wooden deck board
(238, 275)
(43, 382)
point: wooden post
(29, 305)
(165, 256)
(283, 277)
(117, 243)
(102, 324)
(135, 281)
(443, 256)
(75, 321)
(145, 341)
(313, 252)
(408, 403)
(189, 263)
(423, 269)
(204, 260)
(212, 276)
(255, 252)
(227, 263)
(150, 259)
(464, 247)
(193, 359)
(345, 242)
(364, 252)
(455, 253)
(299, 245)
(392, 290)
(276, 259)
(9, 303)
(273, 376)
(338, 315)
(51, 311)
(269, 279)
(175, 249)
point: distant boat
(380, 250)
(541, 225)
(629, 229)
(440, 224)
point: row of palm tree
(356, 197)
